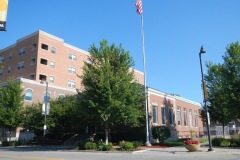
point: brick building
(43, 57)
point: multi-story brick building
(44, 57)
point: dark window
(32, 76)
(42, 77)
(43, 61)
(44, 46)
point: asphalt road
(173, 153)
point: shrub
(5, 143)
(108, 147)
(103, 147)
(81, 145)
(90, 145)
(225, 143)
(221, 142)
(126, 146)
(235, 142)
(161, 133)
(136, 144)
(11, 143)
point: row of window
(71, 83)
(33, 61)
(34, 46)
(193, 116)
(29, 95)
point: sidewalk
(182, 150)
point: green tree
(32, 118)
(111, 96)
(223, 82)
(63, 116)
(161, 133)
(11, 103)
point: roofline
(163, 94)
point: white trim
(50, 86)
(171, 97)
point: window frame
(21, 65)
(72, 57)
(155, 114)
(26, 94)
(185, 122)
(179, 116)
(163, 113)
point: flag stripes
(138, 4)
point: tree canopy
(111, 95)
(223, 81)
(11, 103)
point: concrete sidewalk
(182, 150)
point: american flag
(138, 4)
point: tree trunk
(223, 131)
(106, 132)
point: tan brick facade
(41, 56)
(179, 114)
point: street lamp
(45, 110)
(205, 100)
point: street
(172, 153)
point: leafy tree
(111, 96)
(33, 118)
(223, 82)
(11, 103)
(63, 116)
(161, 133)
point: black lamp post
(205, 100)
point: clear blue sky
(174, 33)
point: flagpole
(145, 84)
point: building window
(1, 72)
(43, 61)
(21, 51)
(185, 116)
(72, 70)
(72, 57)
(33, 61)
(71, 84)
(61, 96)
(42, 77)
(28, 94)
(196, 118)
(10, 55)
(44, 46)
(9, 69)
(53, 50)
(32, 76)
(190, 118)
(51, 79)
(34, 46)
(52, 64)
(179, 115)
(1, 58)
(171, 116)
(163, 115)
(20, 66)
(154, 114)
